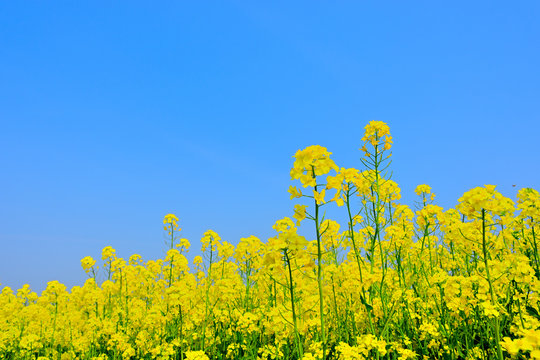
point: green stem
(319, 273)
(207, 300)
(291, 290)
(493, 299)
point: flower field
(392, 282)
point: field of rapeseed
(393, 282)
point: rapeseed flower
(394, 284)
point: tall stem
(319, 274)
(207, 300)
(493, 299)
(291, 290)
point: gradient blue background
(115, 114)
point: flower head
(108, 252)
(299, 213)
(87, 262)
(311, 162)
(377, 131)
(486, 198)
(170, 221)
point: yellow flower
(197, 260)
(311, 162)
(134, 259)
(489, 309)
(299, 213)
(295, 193)
(183, 245)
(107, 253)
(196, 355)
(374, 132)
(283, 225)
(210, 238)
(422, 189)
(170, 221)
(511, 346)
(87, 262)
(319, 197)
(335, 182)
(476, 199)
(529, 203)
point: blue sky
(115, 114)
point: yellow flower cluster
(87, 263)
(484, 198)
(390, 282)
(311, 162)
(377, 132)
(529, 203)
(348, 181)
(171, 222)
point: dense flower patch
(393, 282)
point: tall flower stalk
(310, 163)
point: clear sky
(113, 114)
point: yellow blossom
(319, 196)
(299, 213)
